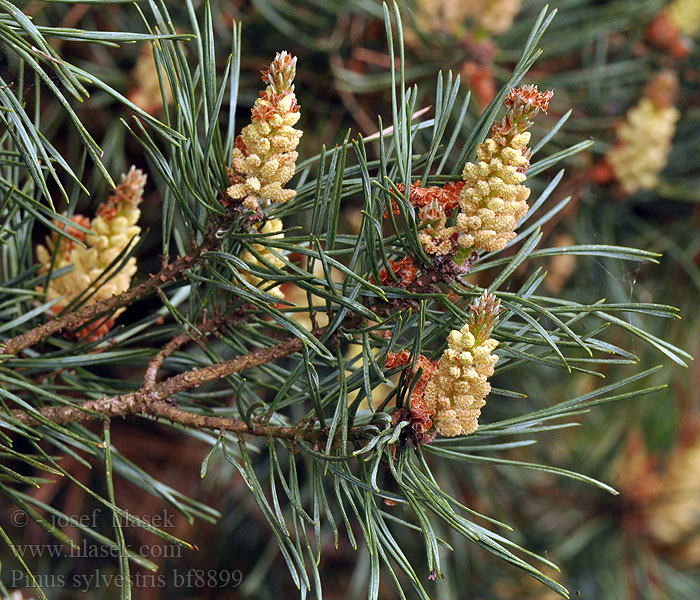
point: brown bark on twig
(153, 400)
(78, 317)
(206, 327)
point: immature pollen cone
(644, 137)
(265, 156)
(96, 272)
(448, 398)
(457, 391)
(494, 198)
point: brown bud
(280, 74)
(483, 316)
(663, 89)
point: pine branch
(133, 405)
(151, 399)
(200, 333)
(224, 295)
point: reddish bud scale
(405, 269)
(94, 331)
(529, 98)
(421, 421)
(663, 33)
(447, 197)
(265, 112)
(524, 103)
